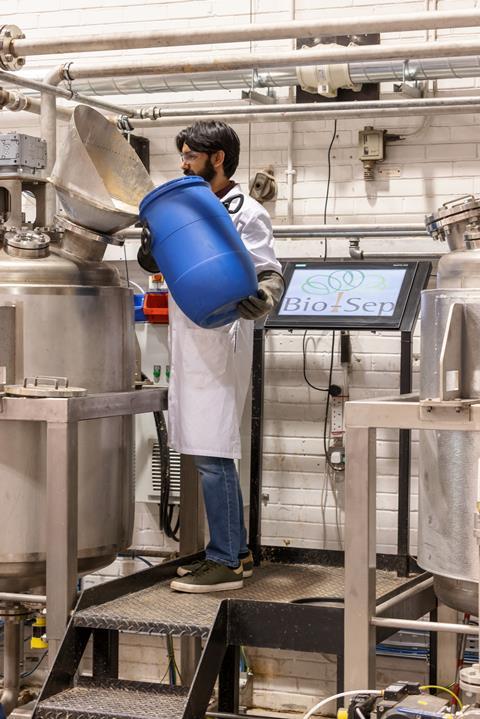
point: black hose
(165, 507)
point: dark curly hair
(211, 136)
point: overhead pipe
(21, 47)
(301, 108)
(359, 72)
(47, 88)
(332, 112)
(320, 54)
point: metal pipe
(278, 31)
(320, 54)
(385, 606)
(333, 231)
(29, 598)
(17, 102)
(52, 89)
(48, 129)
(12, 630)
(339, 108)
(339, 114)
(428, 626)
(408, 70)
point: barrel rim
(177, 183)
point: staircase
(265, 613)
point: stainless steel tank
(449, 460)
(73, 318)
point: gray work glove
(269, 294)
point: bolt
(429, 409)
(8, 57)
(8, 33)
(21, 61)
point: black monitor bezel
(406, 309)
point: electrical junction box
(371, 144)
(22, 151)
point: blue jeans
(224, 507)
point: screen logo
(343, 291)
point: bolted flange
(8, 61)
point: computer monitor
(341, 294)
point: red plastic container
(155, 307)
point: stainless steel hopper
(98, 177)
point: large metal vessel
(74, 319)
(449, 460)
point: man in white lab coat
(210, 368)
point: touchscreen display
(342, 291)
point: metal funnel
(98, 177)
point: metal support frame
(402, 563)
(61, 417)
(256, 460)
(362, 418)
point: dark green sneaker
(247, 564)
(189, 568)
(210, 577)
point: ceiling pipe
(50, 88)
(320, 54)
(300, 108)
(332, 112)
(359, 72)
(250, 32)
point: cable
(443, 689)
(142, 559)
(327, 191)
(338, 696)
(165, 507)
(135, 284)
(320, 389)
(27, 674)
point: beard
(207, 172)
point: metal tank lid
(453, 211)
(56, 269)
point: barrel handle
(237, 207)
(146, 238)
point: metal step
(159, 610)
(115, 699)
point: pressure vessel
(448, 459)
(71, 318)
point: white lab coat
(210, 368)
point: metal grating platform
(115, 699)
(159, 610)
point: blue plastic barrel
(197, 248)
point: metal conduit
(330, 114)
(435, 20)
(339, 108)
(360, 72)
(333, 231)
(320, 54)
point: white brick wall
(438, 161)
